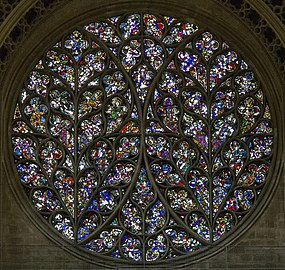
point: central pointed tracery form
(142, 137)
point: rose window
(142, 138)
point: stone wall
(23, 244)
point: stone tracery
(136, 137)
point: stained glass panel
(143, 138)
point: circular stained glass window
(142, 138)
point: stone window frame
(46, 32)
